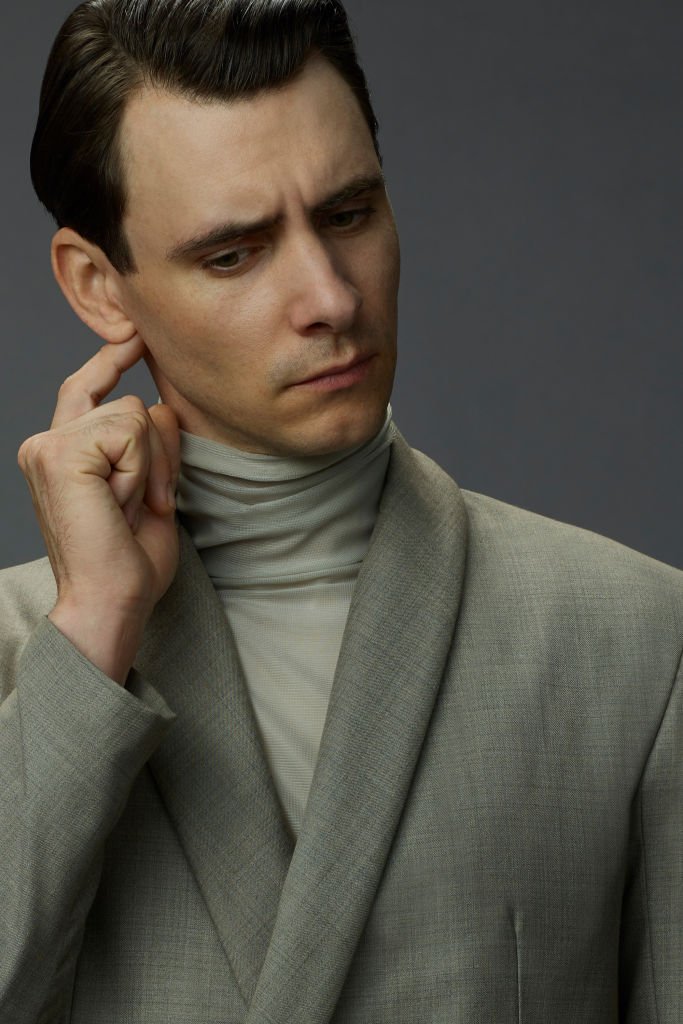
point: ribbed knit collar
(262, 521)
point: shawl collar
(211, 770)
(290, 918)
(398, 637)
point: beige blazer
(495, 828)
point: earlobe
(85, 276)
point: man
(345, 743)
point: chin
(337, 432)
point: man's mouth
(351, 368)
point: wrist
(108, 637)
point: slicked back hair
(201, 49)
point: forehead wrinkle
(233, 230)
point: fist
(103, 481)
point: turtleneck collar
(266, 521)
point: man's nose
(323, 297)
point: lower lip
(336, 381)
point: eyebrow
(224, 234)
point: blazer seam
(641, 823)
(678, 670)
(518, 963)
(646, 900)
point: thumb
(166, 423)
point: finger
(166, 423)
(159, 496)
(133, 509)
(125, 439)
(87, 387)
(146, 479)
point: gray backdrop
(533, 151)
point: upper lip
(330, 370)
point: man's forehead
(242, 159)
(161, 120)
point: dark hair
(204, 49)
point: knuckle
(133, 404)
(31, 452)
(23, 455)
(75, 386)
(139, 421)
(27, 449)
(67, 385)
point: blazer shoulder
(553, 556)
(27, 593)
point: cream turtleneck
(283, 540)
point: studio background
(534, 158)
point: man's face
(236, 323)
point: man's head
(107, 50)
(200, 157)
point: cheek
(183, 330)
(216, 356)
(383, 270)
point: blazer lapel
(397, 639)
(211, 770)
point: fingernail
(171, 496)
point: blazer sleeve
(71, 745)
(651, 954)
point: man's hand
(103, 482)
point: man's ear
(89, 282)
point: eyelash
(213, 263)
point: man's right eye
(228, 260)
